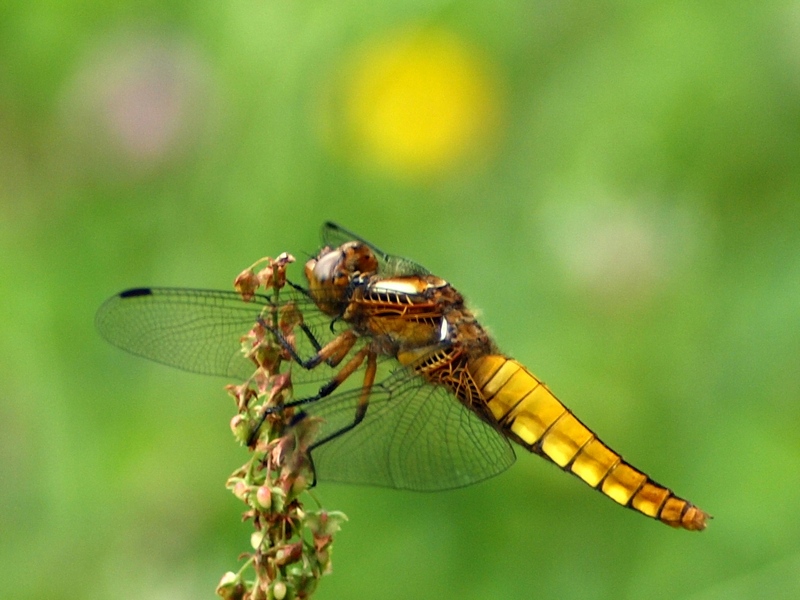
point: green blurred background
(614, 184)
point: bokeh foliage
(615, 184)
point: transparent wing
(415, 436)
(334, 235)
(201, 330)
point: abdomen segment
(533, 417)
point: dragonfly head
(331, 274)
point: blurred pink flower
(137, 101)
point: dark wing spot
(133, 293)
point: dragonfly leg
(332, 353)
(346, 371)
(326, 390)
(312, 340)
(303, 327)
(360, 413)
(310, 336)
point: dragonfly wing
(200, 330)
(414, 436)
(334, 235)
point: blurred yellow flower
(416, 103)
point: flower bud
(230, 587)
(241, 428)
(246, 283)
(256, 539)
(277, 499)
(240, 490)
(264, 497)
(279, 590)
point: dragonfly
(411, 390)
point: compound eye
(327, 266)
(359, 258)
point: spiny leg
(304, 328)
(360, 413)
(346, 371)
(332, 353)
(361, 406)
(310, 337)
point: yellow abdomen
(532, 416)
